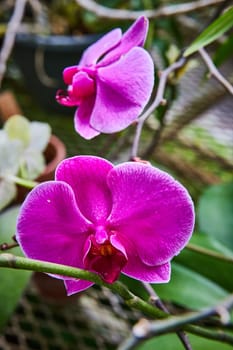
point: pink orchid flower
(130, 218)
(112, 83)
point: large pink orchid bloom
(131, 218)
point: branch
(158, 302)
(174, 323)
(164, 11)
(16, 262)
(145, 329)
(10, 34)
(159, 99)
(214, 71)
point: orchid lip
(102, 257)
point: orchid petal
(151, 209)
(134, 36)
(74, 286)
(83, 85)
(82, 119)
(68, 74)
(87, 177)
(100, 47)
(123, 89)
(50, 226)
(135, 268)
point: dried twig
(145, 329)
(158, 303)
(159, 99)
(9, 38)
(164, 11)
(214, 71)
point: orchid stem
(173, 323)
(16, 262)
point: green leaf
(212, 32)
(224, 51)
(222, 271)
(18, 127)
(186, 288)
(190, 289)
(171, 342)
(215, 213)
(13, 282)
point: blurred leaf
(13, 282)
(18, 127)
(224, 51)
(171, 342)
(39, 136)
(212, 32)
(190, 289)
(215, 213)
(222, 271)
(7, 192)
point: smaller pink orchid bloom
(112, 82)
(130, 218)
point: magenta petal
(134, 36)
(83, 85)
(68, 74)
(135, 268)
(87, 177)
(50, 226)
(74, 286)
(82, 119)
(150, 209)
(123, 89)
(100, 47)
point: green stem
(205, 251)
(217, 335)
(23, 182)
(146, 329)
(16, 262)
(160, 327)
